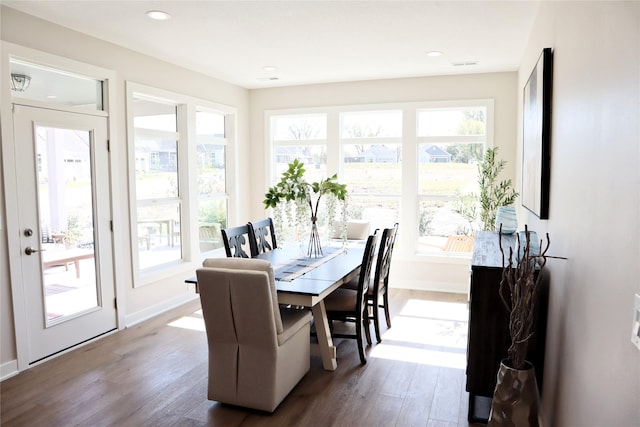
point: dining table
(306, 281)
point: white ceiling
(308, 41)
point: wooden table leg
(327, 350)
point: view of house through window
(375, 154)
(371, 161)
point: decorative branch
(520, 290)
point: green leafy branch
(492, 193)
(293, 187)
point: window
(415, 163)
(179, 156)
(86, 94)
(302, 137)
(372, 165)
(211, 169)
(451, 142)
(159, 202)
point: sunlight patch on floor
(440, 333)
(427, 332)
(193, 322)
(419, 355)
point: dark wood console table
(488, 338)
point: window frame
(188, 196)
(407, 242)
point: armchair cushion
(250, 264)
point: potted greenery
(294, 194)
(494, 193)
(515, 399)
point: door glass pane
(65, 201)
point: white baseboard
(149, 312)
(8, 369)
(421, 285)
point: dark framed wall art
(536, 126)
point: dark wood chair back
(235, 241)
(262, 236)
(383, 263)
(381, 278)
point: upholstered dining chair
(257, 351)
(350, 305)
(378, 297)
(356, 229)
(262, 236)
(235, 241)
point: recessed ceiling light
(434, 53)
(158, 15)
(269, 68)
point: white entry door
(64, 209)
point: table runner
(296, 267)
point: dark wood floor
(155, 374)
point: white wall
(592, 371)
(408, 270)
(134, 303)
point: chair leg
(385, 298)
(376, 321)
(363, 357)
(366, 323)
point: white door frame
(12, 189)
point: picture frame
(536, 138)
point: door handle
(29, 250)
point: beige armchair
(257, 351)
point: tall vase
(515, 399)
(315, 250)
(506, 216)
